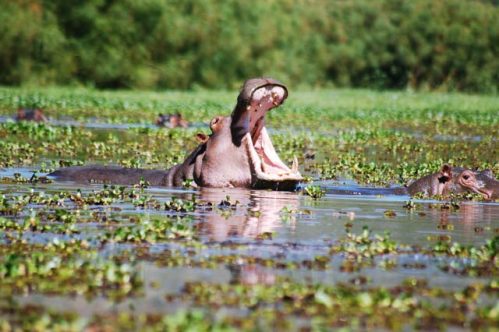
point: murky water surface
(245, 238)
(285, 226)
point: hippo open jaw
(267, 168)
(237, 153)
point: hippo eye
(466, 177)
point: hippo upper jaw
(257, 97)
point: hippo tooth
(263, 163)
(294, 167)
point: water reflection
(251, 274)
(257, 214)
(471, 219)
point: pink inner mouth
(271, 163)
(263, 100)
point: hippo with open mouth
(238, 153)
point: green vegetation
(419, 44)
(372, 137)
(315, 192)
(124, 246)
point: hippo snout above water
(25, 114)
(238, 152)
(171, 121)
(446, 181)
(480, 182)
(457, 180)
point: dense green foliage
(423, 44)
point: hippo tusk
(294, 166)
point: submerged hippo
(444, 182)
(238, 153)
(171, 121)
(24, 114)
(457, 180)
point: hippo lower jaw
(268, 170)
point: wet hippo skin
(238, 152)
(457, 180)
(444, 182)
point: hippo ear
(445, 174)
(202, 138)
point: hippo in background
(171, 121)
(238, 152)
(456, 180)
(25, 114)
(446, 181)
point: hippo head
(239, 151)
(480, 182)
(458, 180)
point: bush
(420, 44)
